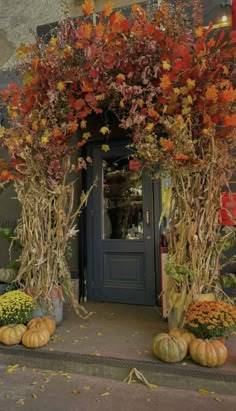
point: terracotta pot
(221, 339)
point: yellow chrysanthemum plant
(211, 319)
(16, 307)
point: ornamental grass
(211, 319)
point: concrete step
(184, 375)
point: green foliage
(16, 307)
(228, 280)
(178, 272)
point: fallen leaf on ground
(105, 394)
(218, 399)
(99, 334)
(12, 368)
(75, 391)
(203, 392)
(136, 373)
(34, 383)
(34, 395)
(82, 326)
(86, 387)
(21, 401)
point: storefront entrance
(122, 233)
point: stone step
(184, 375)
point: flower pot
(57, 302)
(221, 339)
(3, 288)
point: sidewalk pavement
(115, 339)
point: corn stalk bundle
(47, 224)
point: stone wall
(18, 18)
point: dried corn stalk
(47, 223)
(194, 234)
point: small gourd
(210, 353)
(169, 348)
(36, 337)
(12, 334)
(182, 332)
(46, 321)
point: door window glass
(122, 201)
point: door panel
(120, 231)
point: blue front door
(120, 230)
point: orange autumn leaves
(149, 73)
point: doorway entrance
(121, 230)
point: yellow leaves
(75, 392)
(61, 86)
(27, 79)
(11, 368)
(191, 83)
(34, 396)
(21, 401)
(44, 140)
(165, 82)
(199, 32)
(105, 394)
(2, 131)
(22, 51)
(108, 9)
(185, 111)
(105, 147)
(28, 138)
(203, 392)
(177, 91)
(104, 130)
(122, 104)
(83, 124)
(211, 93)
(88, 7)
(53, 42)
(166, 65)
(149, 127)
(140, 103)
(86, 135)
(120, 78)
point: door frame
(88, 245)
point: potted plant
(211, 319)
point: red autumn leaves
(145, 71)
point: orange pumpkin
(44, 321)
(12, 334)
(182, 332)
(169, 348)
(36, 337)
(210, 353)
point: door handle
(147, 216)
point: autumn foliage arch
(169, 81)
